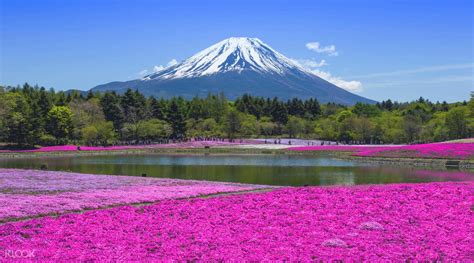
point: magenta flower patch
(191, 144)
(399, 222)
(432, 150)
(25, 193)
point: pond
(280, 169)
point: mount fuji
(236, 66)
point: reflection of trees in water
(253, 169)
(337, 178)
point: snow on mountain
(232, 54)
(236, 66)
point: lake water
(292, 170)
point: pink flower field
(181, 145)
(433, 150)
(26, 193)
(399, 222)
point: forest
(33, 115)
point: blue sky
(385, 49)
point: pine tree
(176, 117)
(279, 112)
(110, 103)
(312, 108)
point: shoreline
(467, 164)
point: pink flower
(25, 193)
(432, 150)
(190, 144)
(421, 222)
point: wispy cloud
(316, 46)
(143, 72)
(311, 63)
(161, 67)
(314, 66)
(158, 68)
(351, 85)
(417, 70)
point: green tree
(294, 126)
(266, 127)
(176, 117)
(365, 110)
(363, 130)
(85, 113)
(326, 129)
(60, 123)
(90, 135)
(207, 128)
(196, 109)
(154, 129)
(457, 124)
(16, 124)
(248, 125)
(233, 123)
(312, 109)
(412, 127)
(110, 103)
(102, 133)
(296, 107)
(279, 112)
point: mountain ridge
(236, 66)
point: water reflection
(256, 169)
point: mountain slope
(236, 66)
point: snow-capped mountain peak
(232, 54)
(237, 66)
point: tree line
(32, 115)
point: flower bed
(181, 145)
(337, 148)
(415, 222)
(286, 141)
(433, 150)
(25, 193)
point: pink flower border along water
(461, 151)
(179, 145)
(399, 222)
(27, 193)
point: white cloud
(313, 66)
(315, 46)
(311, 63)
(158, 68)
(169, 64)
(418, 70)
(143, 72)
(172, 62)
(352, 85)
